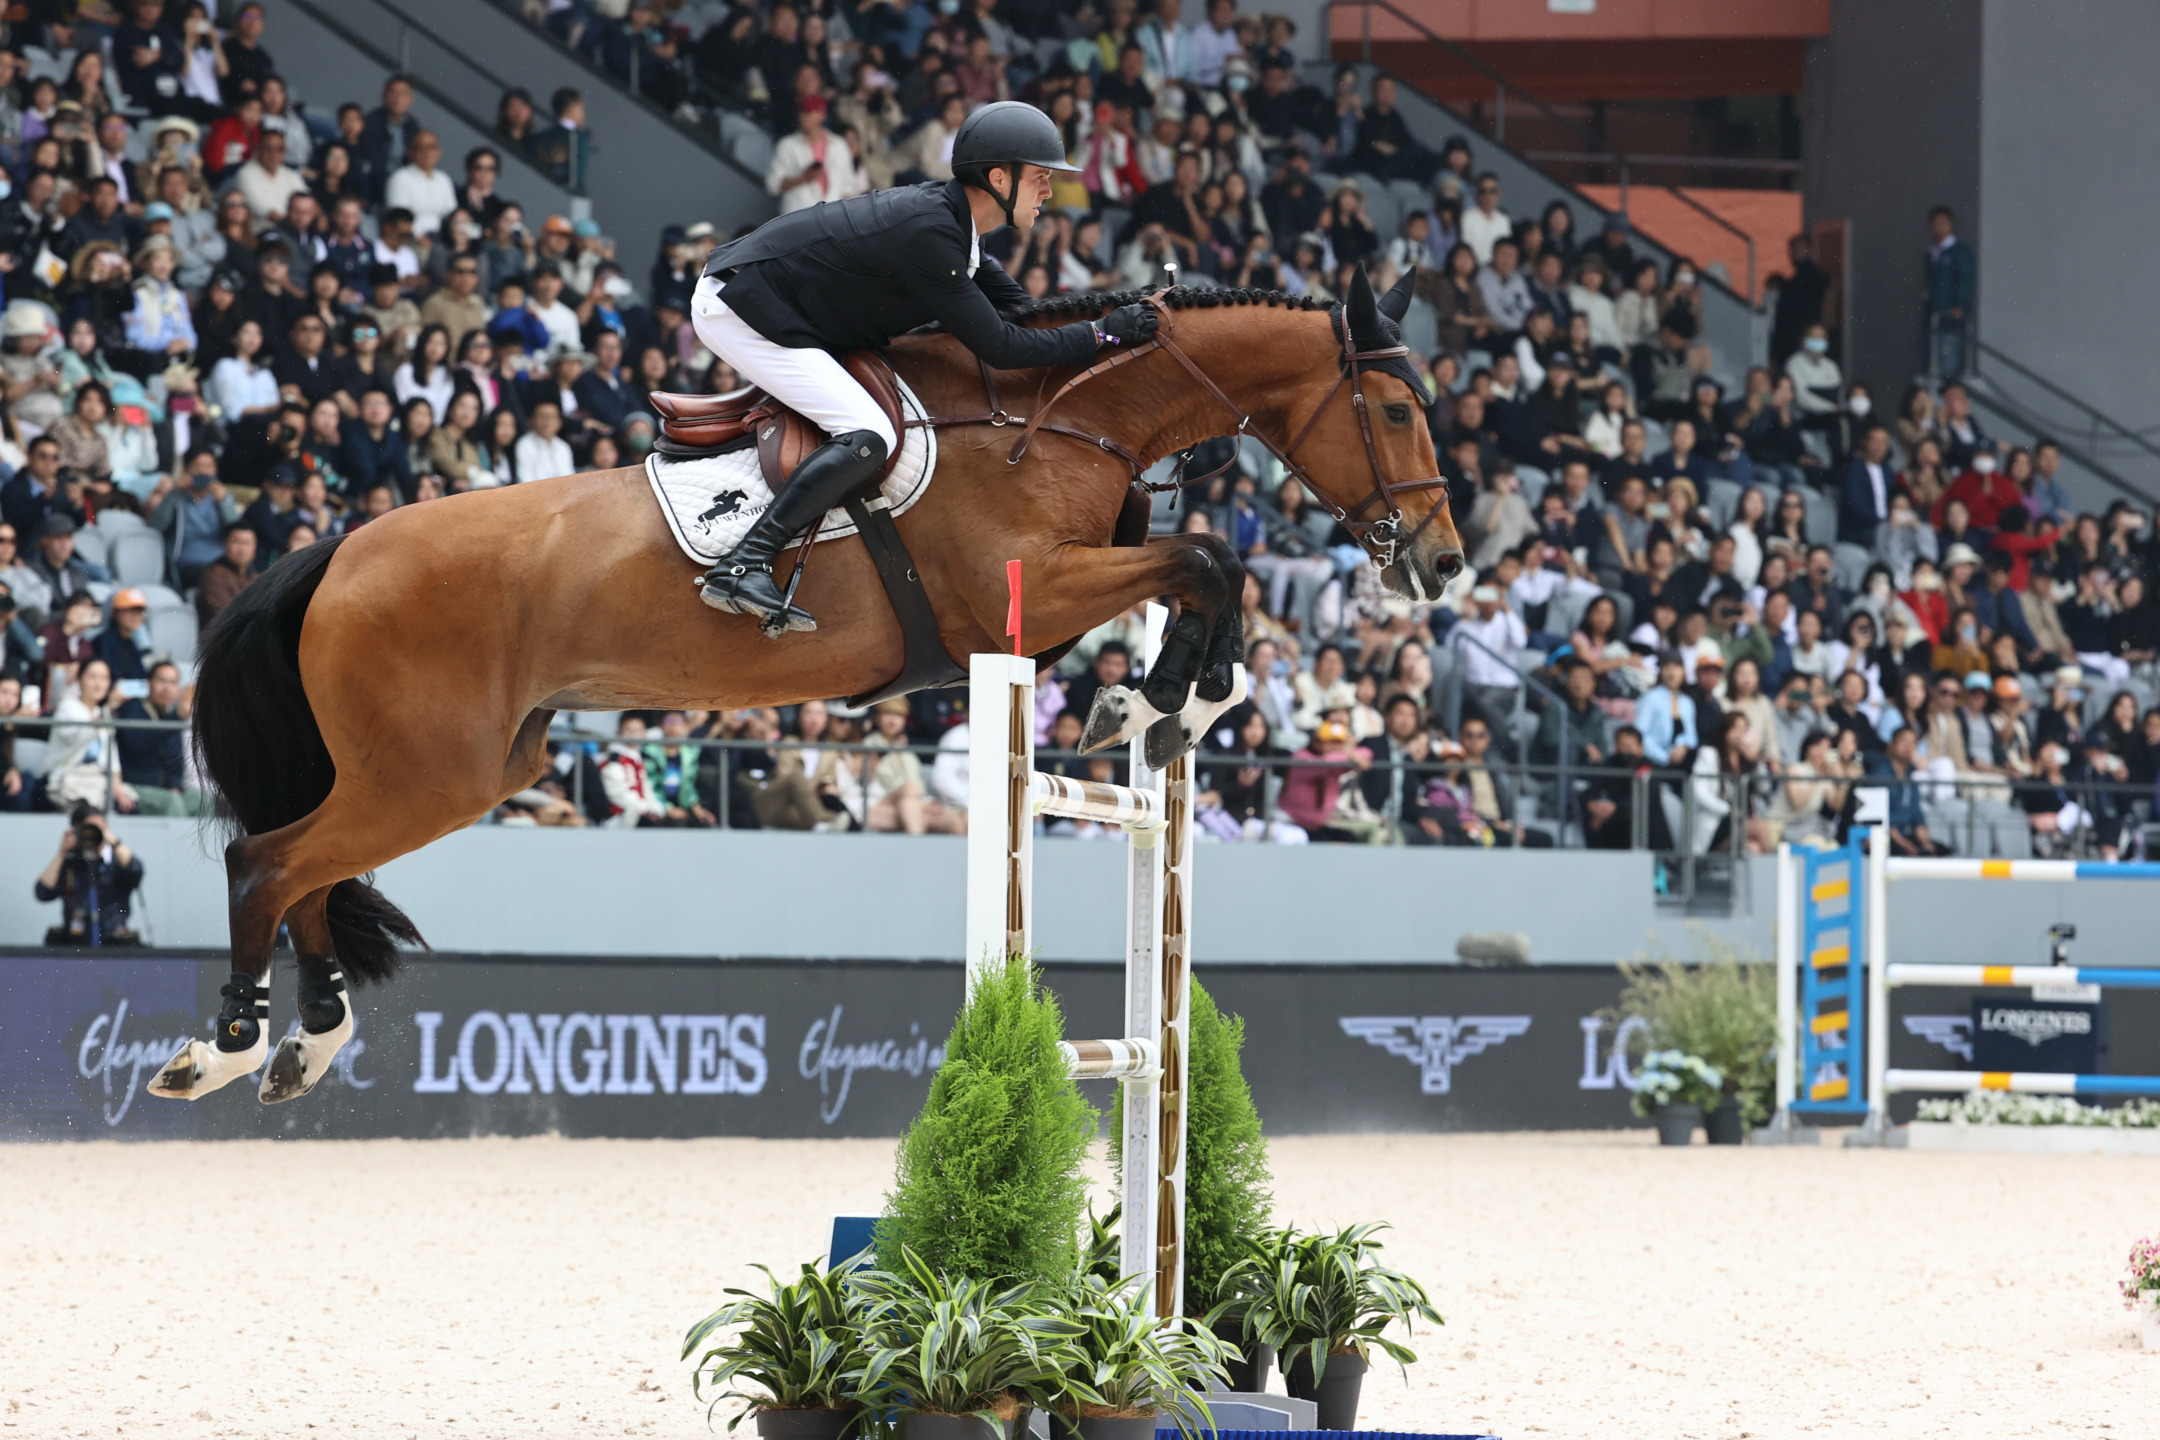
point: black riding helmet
(1007, 133)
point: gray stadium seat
(1852, 563)
(1565, 613)
(94, 547)
(1421, 328)
(112, 522)
(1723, 498)
(172, 630)
(1410, 197)
(138, 558)
(1821, 516)
(30, 756)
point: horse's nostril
(1448, 566)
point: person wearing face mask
(1985, 490)
(1903, 541)
(1817, 381)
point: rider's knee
(877, 427)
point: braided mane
(1093, 306)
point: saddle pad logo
(1436, 1044)
(711, 501)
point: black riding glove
(1128, 325)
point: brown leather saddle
(698, 425)
(694, 425)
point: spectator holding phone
(811, 164)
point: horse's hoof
(199, 1069)
(300, 1063)
(1117, 715)
(1167, 739)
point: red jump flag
(1012, 608)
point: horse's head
(1386, 464)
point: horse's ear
(1396, 303)
(1363, 313)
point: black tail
(257, 740)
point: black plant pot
(804, 1424)
(920, 1425)
(1723, 1125)
(1255, 1358)
(1337, 1392)
(1676, 1123)
(1134, 1427)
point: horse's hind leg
(303, 1057)
(242, 1039)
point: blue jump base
(1171, 1433)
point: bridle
(1382, 538)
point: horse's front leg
(1197, 674)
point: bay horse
(373, 693)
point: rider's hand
(1128, 325)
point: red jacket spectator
(231, 143)
(1984, 494)
(1309, 792)
(2021, 548)
(1931, 608)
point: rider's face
(1034, 194)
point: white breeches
(810, 382)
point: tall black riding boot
(741, 581)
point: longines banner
(518, 1046)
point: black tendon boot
(741, 582)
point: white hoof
(1181, 733)
(199, 1069)
(302, 1060)
(1118, 714)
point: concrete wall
(2067, 207)
(1891, 115)
(756, 894)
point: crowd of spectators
(236, 323)
(247, 324)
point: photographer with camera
(92, 875)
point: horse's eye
(1397, 414)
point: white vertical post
(1142, 1121)
(1175, 1091)
(1157, 992)
(1001, 823)
(1788, 985)
(1877, 958)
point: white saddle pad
(711, 503)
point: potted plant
(1130, 1371)
(989, 1177)
(1674, 1089)
(1240, 1313)
(798, 1343)
(1323, 1307)
(960, 1358)
(2141, 1291)
(1226, 1179)
(1722, 1007)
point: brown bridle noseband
(1382, 538)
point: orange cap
(131, 599)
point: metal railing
(1503, 88)
(1985, 813)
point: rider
(852, 274)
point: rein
(1382, 539)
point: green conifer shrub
(1227, 1201)
(988, 1180)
